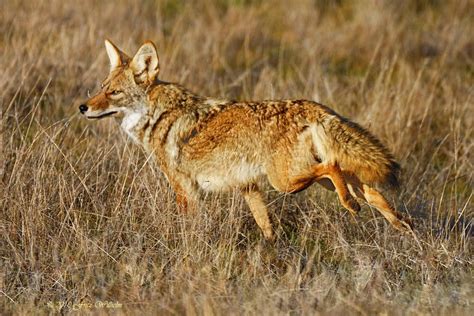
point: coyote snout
(99, 106)
(83, 108)
(204, 144)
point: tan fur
(214, 145)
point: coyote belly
(214, 145)
(237, 174)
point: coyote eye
(115, 92)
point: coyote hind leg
(254, 199)
(320, 173)
(377, 200)
(334, 173)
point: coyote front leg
(186, 194)
(254, 199)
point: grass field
(88, 224)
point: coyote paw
(268, 234)
(401, 224)
(351, 205)
(404, 225)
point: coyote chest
(130, 123)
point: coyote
(206, 144)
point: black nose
(83, 108)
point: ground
(88, 224)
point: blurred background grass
(85, 217)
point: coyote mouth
(102, 115)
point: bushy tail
(360, 152)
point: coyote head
(123, 92)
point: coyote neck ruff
(214, 145)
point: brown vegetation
(86, 218)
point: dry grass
(86, 218)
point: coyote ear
(145, 63)
(116, 56)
